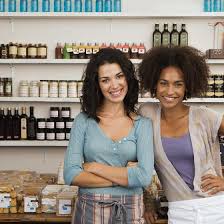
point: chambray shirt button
(119, 141)
(125, 139)
(114, 149)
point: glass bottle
(2, 5)
(107, 6)
(23, 6)
(165, 36)
(16, 125)
(99, 5)
(2, 124)
(45, 5)
(157, 36)
(8, 125)
(78, 5)
(57, 5)
(88, 5)
(67, 6)
(23, 124)
(12, 5)
(58, 51)
(183, 36)
(31, 125)
(34, 6)
(117, 5)
(174, 36)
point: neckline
(122, 138)
(176, 138)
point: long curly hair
(92, 97)
(188, 59)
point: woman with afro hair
(187, 151)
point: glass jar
(60, 134)
(21, 51)
(42, 51)
(43, 88)
(32, 51)
(2, 87)
(54, 112)
(50, 134)
(23, 88)
(13, 48)
(50, 124)
(41, 123)
(63, 88)
(53, 88)
(72, 88)
(68, 123)
(34, 89)
(7, 86)
(65, 112)
(79, 88)
(40, 134)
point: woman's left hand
(212, 183)
(89, 167)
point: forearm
(86, 179)
(118, 175)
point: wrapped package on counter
(48, 198)
(66, 200)
(8, 201)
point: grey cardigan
(203, 127)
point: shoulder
(81, 120)
(204, 113)
(143, 122)
(148, 110)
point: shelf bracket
(11, 21)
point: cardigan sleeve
(140, 176)
(74, 154)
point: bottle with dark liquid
(2, 124)
(183, 36)
(31, 125)
(8, 125)
(165, 36)
(174, 36)
(157, 36)
(23, 122)
(16, 125)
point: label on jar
(69, 49)
(60, 124)
(95, 50)
(8, 88)
(41, 136)
(30, 204)
(54, 113)
(67, 136)
(50, 136)
(24, 91)
(5, 200)
(125, 50)
(22, 51)
(81, 50)
(65, 113)
(134, 50)
(13, 50)
(1, 89)
(50, 124)
(75, 51)
(89, 51)
(42, 51)
(32, 51)
(34, 91)
(60, 136)
(69, 124)
(41, 124)
(141, 51)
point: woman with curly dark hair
(105, 136)
(187, 152)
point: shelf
(39, 99)
(76, 61)
(25, 143)
(52, 61)
(77, 100)
(111, 15)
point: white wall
(50, 31)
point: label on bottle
(95, 50)
(1, 90)
(89, 51)
(22, 51)
(125, 49)
(183, 39)
(23, 128)
(81, 50)
(8, 88)
(30, 204)
(60, 124)
(141, 51)
(5, 200)
(64, 207)
(166, 39)
(157, 40)
(175, 39)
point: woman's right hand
(132, 164)
(150, 216)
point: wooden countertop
(45, 218)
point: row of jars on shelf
(85, 51)
(51, 88)
(15, 50)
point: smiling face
(112, 82)
(170, 88)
